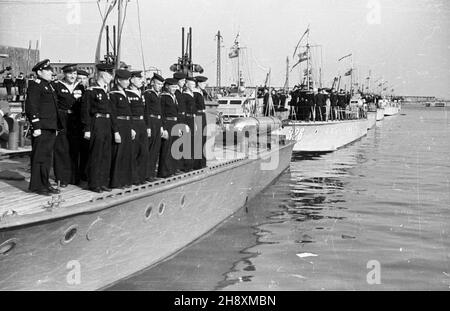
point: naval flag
(349, 72)
(234, 52)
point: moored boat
(324, 136)
(90, 241)
(371, 119)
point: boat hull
(390, 110)
(324, 136)
(380, 114)
(119, 239)
(371, 119)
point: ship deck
(15, 199)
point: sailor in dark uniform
(98, 124)
(21, 83)
(83, 84)
(342, 103)
(169, 109)
(189, 104)
(200, 96)
(182, 118)
(334, 104)
(41, 110)
(8, 83)
(139, 124)
(122, 149)
(67, 144)
(154, 123)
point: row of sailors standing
(113, 139)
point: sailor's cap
(69, 68)
(201, 78)
(190, 79)
(171, 81)
(42, 65)
(158, 77)
(179, 75)
(81, 72)
(105, 67)
(136, 73)
(123, 74)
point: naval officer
(98, 124)
(41, 111)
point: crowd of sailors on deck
(324, 104)
(114, 130)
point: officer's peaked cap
(42, 65)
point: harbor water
(374, 215)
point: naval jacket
(120, 106)
(169, 107)
(68, 98)
(137, 104)
(40, 105)
(95, 100)
(152, 102)
(189, 102)
(199, 101)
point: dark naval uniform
(181, 120)
(67, 144)
(121, 162)
(189, 104)
(96, 117)
(200, 137)
(21, 84)
(169, 110)
(154, 122)
(140, 143)
(41, 110)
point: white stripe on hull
(324, 136)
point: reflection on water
(383, 198)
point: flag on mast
(307, 31)
(344, 57)
(349, 72)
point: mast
(219, 40)
(119, 32)
(286, 83)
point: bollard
(14, 133)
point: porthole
(148, 212)
(161, 208)
(7, 246)
(69, 234)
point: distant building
(19, 59)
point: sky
(403, 42)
